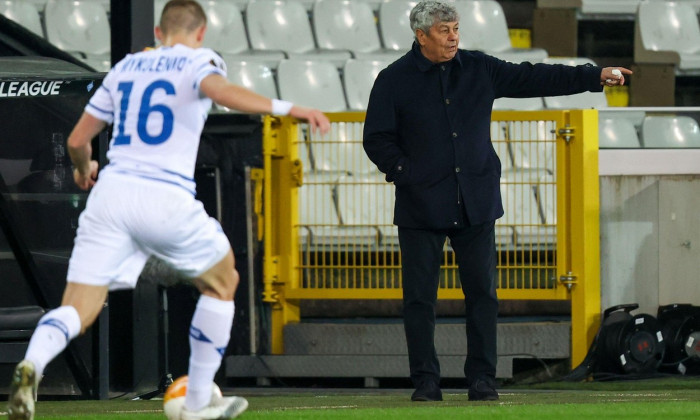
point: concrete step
(378, 349)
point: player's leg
(209, 337)
(80, 307)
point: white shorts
(127, 219)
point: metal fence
(328, 217)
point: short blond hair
(182, 15)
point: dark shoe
(482, 390)
(428, 390)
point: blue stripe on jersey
(105, 88)
(99, 109)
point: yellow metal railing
(328, 218)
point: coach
(428, 129)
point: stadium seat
(23, 13)
(667, 131)
(499, 140)
(583, 100)
(80, 27)
(483, 27)
(668, 32)
(226, 34)
(349, 25)
(359, 76)
(320, 224)
(394, 24)
(368, 200)
(617, 133)
(277, 25)
(532, 144)
(340, 150)
(253, 75)
(520, 189)
(609, 7)
(311, 83)
(518, 104)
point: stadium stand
(394, 24)
(81, 28)
(254, 75)
(23, 13)
(349, 25)
(368, 200)
(667, 131)
(358, 79)
(580, 100)
(311, 83)
(483, 27)
(617, 133)
(285, 26)
(226, 34)
(519, 104)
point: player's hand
(85, 181)
(317, 120)
(614, 76)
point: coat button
(454, 135)
(454, 223)
(399, 168)
(457, 169)
(447, 101)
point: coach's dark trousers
(421, 255)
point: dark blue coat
(428, 129)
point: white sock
(209, 335)
(51, 336)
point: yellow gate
(328, 231)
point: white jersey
(158, 112)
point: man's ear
(200, 33)
(158, 33)
(420, 36)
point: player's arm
(225, 93)
(80, 150)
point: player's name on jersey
(153, 64)
(36, 88)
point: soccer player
(143, 203)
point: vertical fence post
(584, 231)
(282, 179)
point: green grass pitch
(653, 399)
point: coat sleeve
(526, 80)
(381, 136)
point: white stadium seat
(518, 104)
(348, 25)
(617, 133)
(80, 27)
(668, 32)
(667, 131)
(340, 150)
(359, 76)
(585, 100)
(276, 25)
(311, 83)
(368, 200)
(23, 13)
(226, 34)
(394, 24)
(483, 26)
(253, 75)
(520, 189)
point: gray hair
(427, 13)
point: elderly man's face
(441, 41)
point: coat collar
(424, 64)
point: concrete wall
(650, 236)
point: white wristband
(281, 107)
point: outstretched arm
(225, 93)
